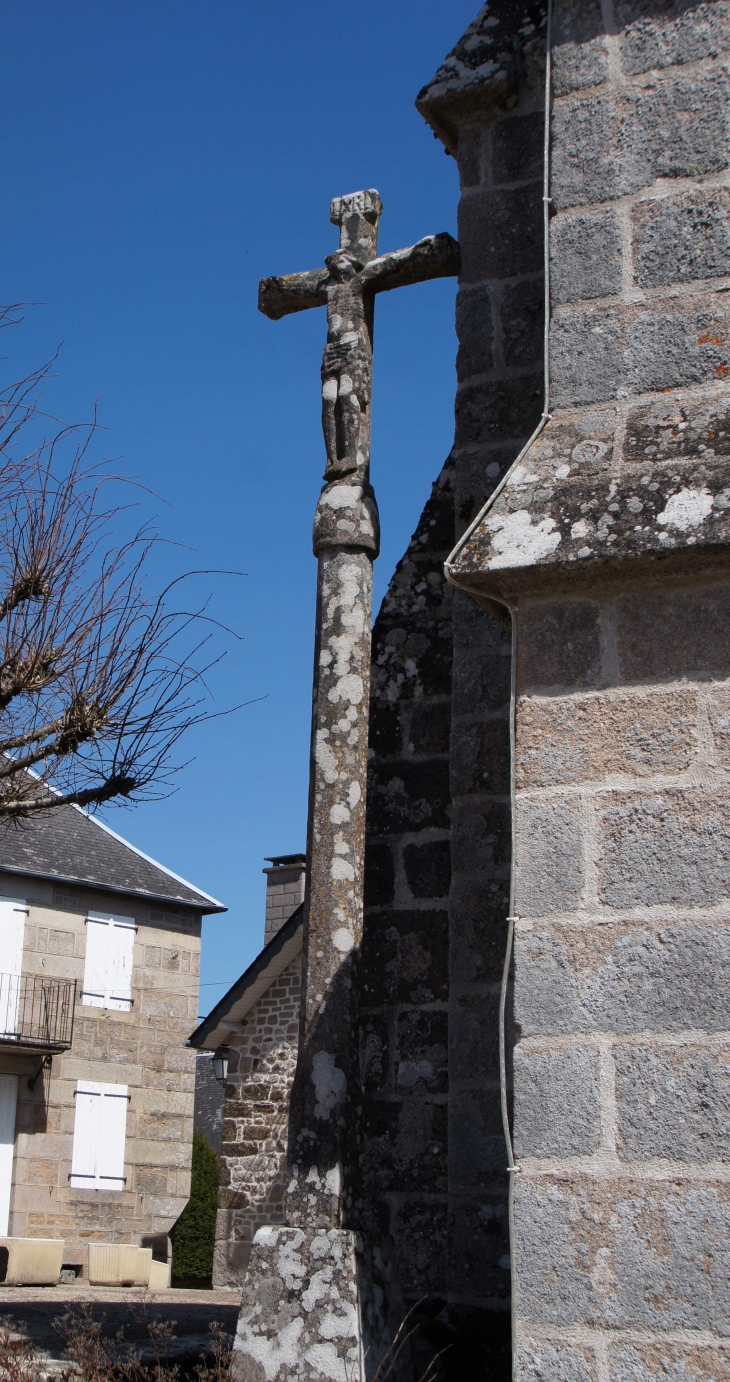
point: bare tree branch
(99, 680)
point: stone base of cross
(306, 1300)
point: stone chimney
(284, 890)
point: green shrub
(193, 1236)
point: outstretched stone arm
(436, 256)
(292, 293)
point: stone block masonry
(610, 545)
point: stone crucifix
(345, 541)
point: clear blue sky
(158, 158)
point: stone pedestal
(299, 1314)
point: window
(108, 968)
(100, 1128)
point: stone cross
(303, 1311)
(345, 541)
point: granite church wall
(499, 321)
(621, 1228)
(404, 969)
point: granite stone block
(422, 1052)
(559, 645)
(543, 1360)
(668, 846)
(673, 1103)
(405, 958)
(473, 1039)
(480, 757)
(420, 1227)
(605, 148)
(480, 838)
(479, 1249)
(673, 632)
(624, 1254)
(379, 888)
(682, 238)
(644, 1361)
(679, 32)
(428, 868)
(430, 728)
(585, 257)
(549, 857)
(556, 1102)
(500, 233)
(579, 46)
(622, 978)
(478, 929)
(562, 740)
(477, 1152)
(482, 665)
(517, 148)
(407, 796)
(475, 330)
(404, 1145)
(496, 410)
(522, 317)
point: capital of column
(346, 517)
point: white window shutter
(112, 1137)
(99, 1136)
(86, 1134)
(108, 968)
(97, 949)
(8, 1099)
(12, 929)
(120, 966)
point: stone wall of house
(144, 1049)
(261, 1063)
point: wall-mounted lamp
(220, 1064)
(46, 1063)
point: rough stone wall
(261, 1063)
(144, 1049)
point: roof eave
(237, 991)
(202, 906)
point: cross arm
(292, 293)
(436, 256)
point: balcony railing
(36, 1012)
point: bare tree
(98, 678)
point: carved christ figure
(347, 285)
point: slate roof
(69, 846)
(270, 962)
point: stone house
(257, 1024)
(99, 982)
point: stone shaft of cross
(322, 1141)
